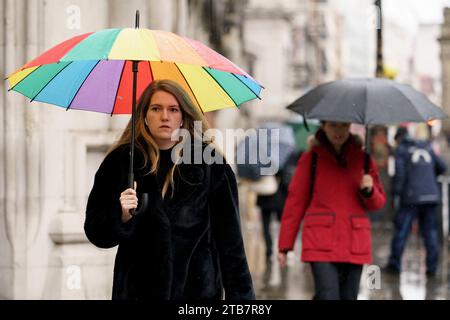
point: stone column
(4, 245)
(21, 36)
(74, 268)
(181, 17)
(161, 15)
(13, 224)
(32, 149)
(445, 58)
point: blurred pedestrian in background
(415, 196)
(332, 194)
(271, 205)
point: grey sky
(426, 11)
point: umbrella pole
(133, 111)
(135, 68)
(144, 196)
(137, 19)
(366, 158)
(367, 150)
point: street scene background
(48, 158)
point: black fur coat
(188, 247)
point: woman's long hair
(144, 140)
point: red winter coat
(336, 227)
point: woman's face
(337, 132)
(163, 117)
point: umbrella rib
(54, 76)
(410, 101)
(307, 112)
(118, 86)
(12, 88)
(231, 98)
(193, 93)
(247, 86)
(79, 88)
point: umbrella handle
(366, 162)
(366, 171)
(144, 204)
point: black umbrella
(366, 101)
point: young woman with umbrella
(331, 193)
(187, 244)
(105, 71)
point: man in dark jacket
(416, 193)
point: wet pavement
(295, 281)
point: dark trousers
(266, 218)
(404, 218)
(336, 281)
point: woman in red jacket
(336, 227)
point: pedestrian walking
(187, 244)
(416, 196)
(272, 205)
(331, 194)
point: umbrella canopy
(106, 71)
(366, 101)
(264, 150)
(93, 71)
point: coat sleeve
(103, 225)
(226, 231)
(378, 198)
(439, 165)
(296, 202)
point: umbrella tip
(137, 19)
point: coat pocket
(318, 232)
(360, 235)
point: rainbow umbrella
(94, 71)
(105, 71)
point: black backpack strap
(312, 176)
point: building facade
(48, 157)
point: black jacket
(187, 247)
